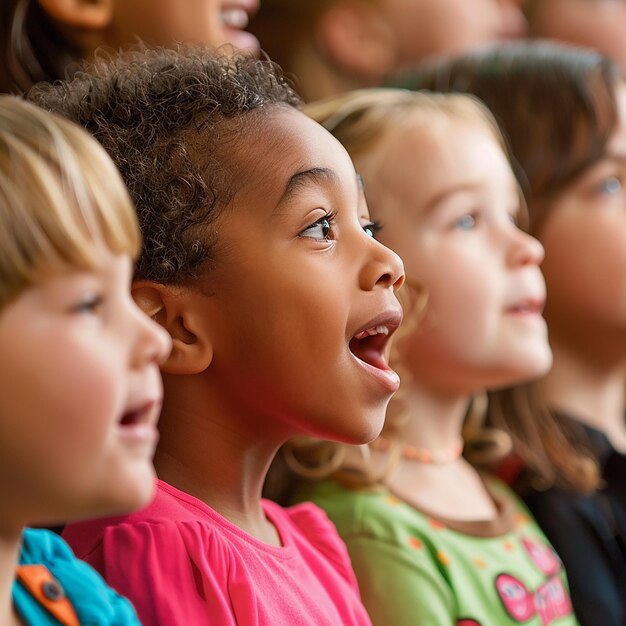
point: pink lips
(138, 425)
(529, 306)
(368, 346)
(235, 15)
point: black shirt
(589, 533)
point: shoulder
(94, 601)
(174, 519)
(373, 513)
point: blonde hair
(61, 199)
(359, 120)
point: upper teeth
(375, 330)
(236, 18)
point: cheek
(585, 262)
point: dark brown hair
(31, 46)
(555, 103)
(163, 116)
(557, 106)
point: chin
(371, 424)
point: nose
(383, 268)
(513, 23)
(153, 343)
(524, 249)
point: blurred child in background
(43, 39)
(564, 111)
(598, 24)
(331, 46)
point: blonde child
(432, 540)
(564, 110)
(259, 260)
(80, 390)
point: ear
(357, 38)
(82, 14)
(176, 309)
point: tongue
(366, 352)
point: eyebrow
(299, 180)
(446, 193)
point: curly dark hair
(163, 116)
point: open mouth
(235, 17)
(527, 307)
(370, 345)
(141, 415)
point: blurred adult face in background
(598, 24)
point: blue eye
(610, 185)
(372, 229)
(321, 228)
(466, 222)
(89, 305)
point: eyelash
(602, 186)
(327, 220)
(375, 227)
(89, 305)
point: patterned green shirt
(418, 570)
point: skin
(164, 22)
(92, 355)
(352, 44)
(448, 199)
(283, 305)
(78, 355)
(449, 26)
(90, 24)
(589, 218)
(595, 24)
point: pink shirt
(183, 564)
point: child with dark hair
(564, 111)
(80, 390)
(44, 39)
(260, 261)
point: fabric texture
(589, 533)
(182, 563)
(67, 582)
(416, 569)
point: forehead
(282, 142)
(617, 142)
(426, 156)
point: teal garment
(417, 570)
(95, 603)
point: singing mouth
(370, 343)
(530, 306)
(237, 15)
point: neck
(592, 391)
(9, 550)
(219, 456)
(436, 417)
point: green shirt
(416, 569)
